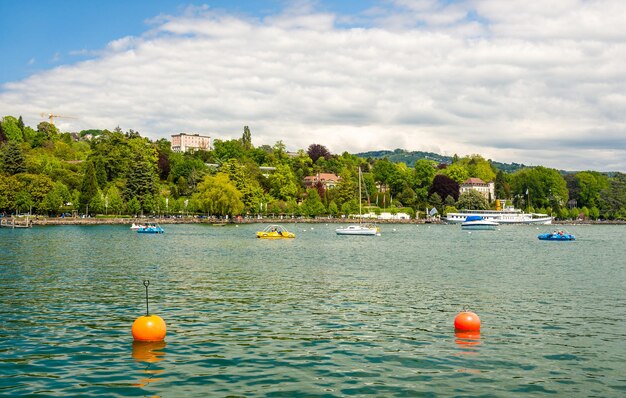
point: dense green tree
(544, 186)
(472, 200)
(54, 201)
(613, 199)
(89, 186)
(333, 210)
(141, 183)
(11, 129)
(114, 198)
(478, 167)
(12, 159)
(502, 186)
(312, 205)
(218, 196)
(425, 171)
(48, 130)
(226, 150)
(456, 172)
(9, 187)
(97, 203)
(590, 185)
(283, 183)
(134, 207)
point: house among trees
(329, 180)
(487, 189)
(190, 142)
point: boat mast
(360, 215)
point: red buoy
(467, 321)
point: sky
(539, 83)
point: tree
(456, 172)
(542, 184)
(444, 186)
(478, 167)
(141, 183)
(316, 151)
(502, 186)
(333, 210)
(282, 183)
(226, 150)
(472, 200)
(55, 199)
(89, 186)
(134, 207)
(246, 139)
(424, 173)
(13, 159)
(115, 201)
(590, 184)
(9, 187)
(219, 196)
(11, 129)
(48, 130)
(312, 206)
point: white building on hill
(190, 142)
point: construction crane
(51, 117)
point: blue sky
(42, 34)
(514, 81)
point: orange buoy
(149, 328)
(467, 321)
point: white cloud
(509, 80)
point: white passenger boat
(509, 215)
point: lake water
(318, 316)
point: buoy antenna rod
(146, 283)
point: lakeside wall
(37, 220)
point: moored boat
(556, 235)
(361, 229)
(275, 232)
(478, 223)
(509, 215)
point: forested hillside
(49, 172)
(410, 157)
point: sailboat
(360, 229)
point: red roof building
(329, 180)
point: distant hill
(401, 155)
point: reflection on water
(148, 353)
(313, 316)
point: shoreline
(43, 221)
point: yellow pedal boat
(275, 232)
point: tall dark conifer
(89, 187)
(13, 159)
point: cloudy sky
(540, 83)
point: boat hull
(275, 235)
(556, 237)
(479, 227)
(358, 230)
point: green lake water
(318, 316)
